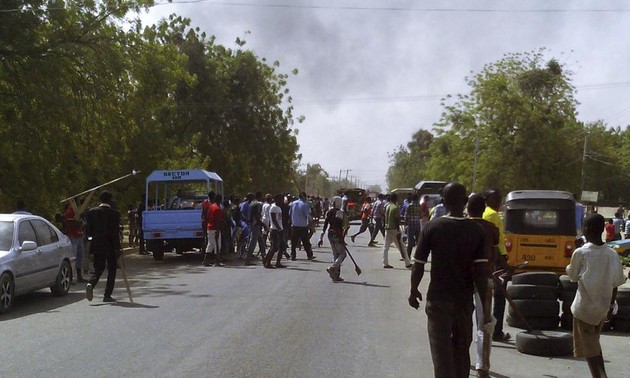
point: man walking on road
(378, 212)
(334, 219)
(392, 232)
(491, 214)
(598, 271)
(458, 264)
(103, 230)
(256, 227)
(278, 243)
(299, 212)
(476, 206)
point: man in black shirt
(458, 264)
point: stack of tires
(567, 294)
(535, 294)
(621, 321)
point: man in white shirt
(598, 271)
(275, 234)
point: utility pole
(583, 164)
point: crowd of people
(461, 233)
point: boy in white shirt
(598, 271)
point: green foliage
(516, 129)
(87, 94)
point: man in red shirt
(214, 219)
(74, 229)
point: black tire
(621, 325)
(537, 323)
(566, 321)
(63, 280)
(545, 343)
(567, 295)
(566, 284)
(7, 292)
(623, 296)
(524, 291)
(536, 278)
(542, 308)
(157, 247)
(623, 312)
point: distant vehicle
(433, 189)
(354, 202)
(403, 192)
(540, 228)
(172, 219)
(34, 255)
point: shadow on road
(40, 302)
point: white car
(34, 255)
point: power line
(395, 9)
(358, 8)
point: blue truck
(171, 220)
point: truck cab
(172, 216)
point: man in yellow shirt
(491, 214)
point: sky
(372, 72)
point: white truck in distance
(172, 216)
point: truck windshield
(178, 195)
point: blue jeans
(77, 249)
(255, 234)
(378, 226)
(413, 233)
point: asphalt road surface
(240, 321)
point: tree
(515, 130)
(408, 164)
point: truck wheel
(536, 278)
(157, 247)
(544, 343)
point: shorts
(586, 339)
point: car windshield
(6, 235)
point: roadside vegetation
(518, 128)
(88, 93)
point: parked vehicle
(540, 228)
(354, 203)
(433, 189)
(172, 219)
(34, 255)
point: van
(540, 229)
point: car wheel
(536, 278)
(545, 343)
(7, 290)
(63, 280)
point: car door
(28, 275)
(51, 255)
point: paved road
(237, 321)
